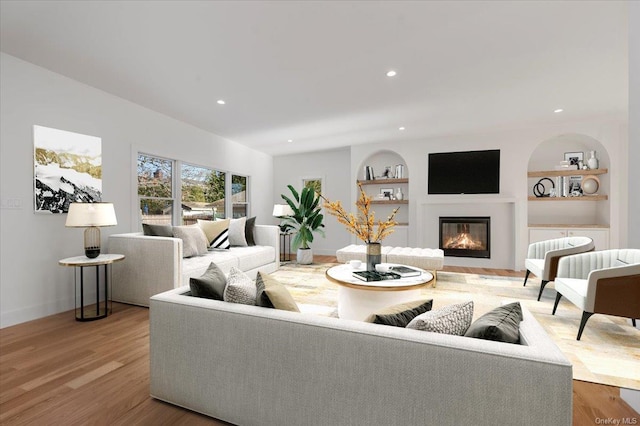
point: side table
(93, 312)
(285, 253)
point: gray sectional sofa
(249, 365)
(155, 264)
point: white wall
(334, 168)
(32, 285)
(516, 149)
(634, 124)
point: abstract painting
(67, 169)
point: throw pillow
(209, 285)
(236, 232)
(194, 242)
(248, 231)
(272, 294)
(157, 230)
(452, 319)
(400, 315)
(501, 324)
(217, 232)
(240, 288)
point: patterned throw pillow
(194, 242)
(452, 319)
(240, 288)
(400, 315)
(236, 231)
(217, 232)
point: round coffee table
(357, 299)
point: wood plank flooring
(56, 370)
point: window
(155, 189)
(240, 206)
(203, 194)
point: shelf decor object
(91, 216)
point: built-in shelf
(548, 173)
(382, 181)
(581, 198)
(389, 201)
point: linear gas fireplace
(465, 236)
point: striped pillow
(217, 233)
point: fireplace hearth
(465, 236)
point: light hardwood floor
(56, 370)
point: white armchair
(602, 282)
(543, 256)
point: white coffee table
(357, 299)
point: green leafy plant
(307, 217)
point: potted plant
(306, 220)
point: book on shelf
(375, 276)
(405, 271)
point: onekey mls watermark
(617, 421)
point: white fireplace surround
(501, 210)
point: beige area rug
(608, 353)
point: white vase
(399, 194)
(304, 256)
(592, 161)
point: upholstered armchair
(602, 282)
(543, 256)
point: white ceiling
(314, 71)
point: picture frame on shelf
(574, 158)
(387, 193)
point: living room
(34, 286)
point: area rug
(608, 353)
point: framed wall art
(67, 168)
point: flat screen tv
(470, 172)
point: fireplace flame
(464, 241)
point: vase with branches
(363, 224)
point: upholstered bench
(425, 258)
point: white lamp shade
(282, 210)
(91, 214)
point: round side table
(92, 311)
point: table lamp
(282, 210)
(91, 216)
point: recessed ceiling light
(558, 110)
(401, 128)
(289, 140)
(391, 73)
(221, 102)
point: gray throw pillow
(194, 242)
(501, 324)
(452, 319)
(273, 294)
(240, 288)
(157, 230)
(209, 285)
(401, 314)
(249, 228)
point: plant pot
(304, 256)
(374, 255)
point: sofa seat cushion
(196, 266)
(253, 257)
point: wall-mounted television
(469, 172)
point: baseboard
(18, 316)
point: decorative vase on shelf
(374, 255)
(399, 194)
(592, 161)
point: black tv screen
(470, 172)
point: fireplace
(465, 236)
